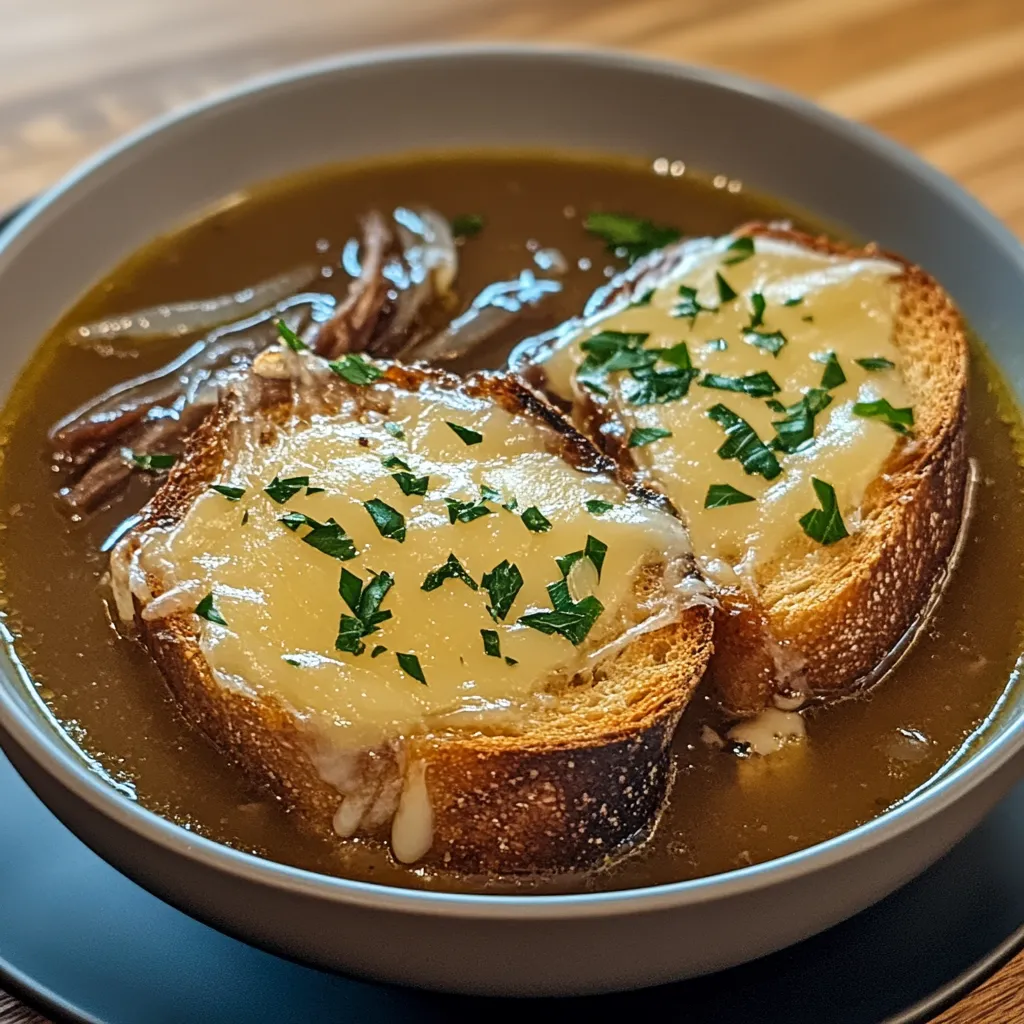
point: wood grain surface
(943, 76)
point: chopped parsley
(465, 434)
(466, 225)
(597, 507)
(757, 385)
(245, 517)
(797, 428)
(296, 662)
(629, 237)
(688, 306)
(355, 369)
(410, 665)
(488, 493)
(411, 484)
(535, 520)
(595, 550)
(875, 363)
(314, 490)
(282, 490)
(795, 301)
(659, 386)
(640, 436)
(394, 462)
(743, 444)
(833, 375)
(570, 619)
(289, 337)
(739, 250)
(644, 300)
(502, 584)
(720, 495)
(466, 511)
(395, 430)
(229, 492)
(364, 602)
(206, 610)
(770, 341)
(492, 644)
(389, 521)
(825, 524)
(378, 651)
(726, 292)
(154, 462)
(615, 351)
(452, 569)
(331, 539)
(327, 537)
(676, 355)
(757, 307)
(901, 420)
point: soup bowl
(384, 103)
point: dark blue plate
(79, 940)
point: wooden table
(944, 76)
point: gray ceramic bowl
(485, 96)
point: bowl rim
(47, 750)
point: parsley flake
(365, 605)
(206, 610)
(797, 428)
(570, 619)
(597, 507)
(355, 369)
(229, 492)
(833, 375)
(629, 237)
(411, 484)
(152, 462)
(795, 301)
(743, 444)
(720, 495)
(466, 225)
(289, 337)
(688, 306)
(739, 250)
(281, 490)
(410, 665)
(769, 341)
(535, 520)
(332, 540)
(825, 525)
(502, 584)
(466, 511)
(757, 385)
(901, 420)
(640, 436)
(389, 521)
(466, 435)
(757, 307)
(394, 462)
(874, 363)
(378, 651)
(726, 292)
(492, 643)
(452, 569)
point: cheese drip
(280, 596)
(821, 304)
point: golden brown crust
(822, 625)
(580, 784)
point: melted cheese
(846, 306)
(280, 597)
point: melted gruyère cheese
(280, 596)
(846, 306)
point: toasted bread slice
(820, 621)
(576, 779)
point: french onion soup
(415, 626)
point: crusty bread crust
(582, 782)
(822, 625)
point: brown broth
(724, 811)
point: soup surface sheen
(862, 756)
